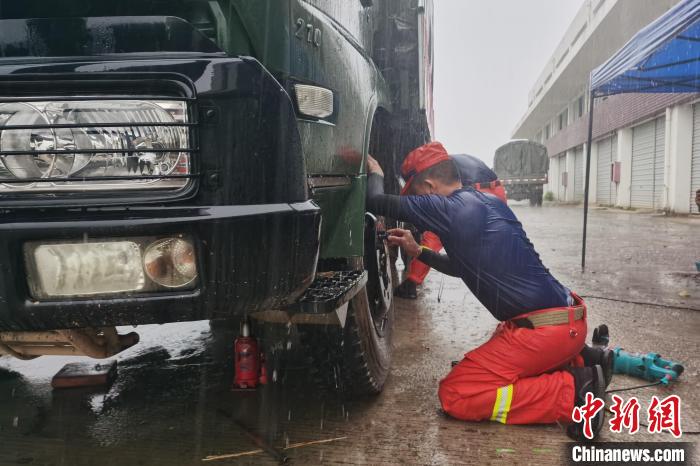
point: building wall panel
(612, 113)
(695, 160)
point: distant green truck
(175, 160)
(522, 167)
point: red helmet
(421, 159)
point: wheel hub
(378, 266)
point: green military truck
(522, 167)
(179, 160)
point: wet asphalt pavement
(171, 403)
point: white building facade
(646, 147)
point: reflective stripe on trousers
(504, 398)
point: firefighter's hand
(404, 239)
(373, 166)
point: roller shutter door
(604, 186)
(659, 163)
(695, 161)
(579, 174)
(561, 192)
(648, 142)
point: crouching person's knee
(462, 402)
(445, 398)
(450, 398)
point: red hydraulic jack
(249, 363)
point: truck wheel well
(392, 137)
(382, 146)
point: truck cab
(165, 161)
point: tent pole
(588, 176)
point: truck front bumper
(249, 258)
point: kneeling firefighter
(532, 370)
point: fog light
(83, 269)
(314, 101)
(170, 262)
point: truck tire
(355, 360)
(367, 348)
(536, 198)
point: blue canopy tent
(662, 57)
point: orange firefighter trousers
(517, 376)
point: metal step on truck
(179, 160)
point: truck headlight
(109, 266)
(170, 262)
(85, 145)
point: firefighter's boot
(406, 290)
(587, 380)
(603, 357)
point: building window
(579, 107)
(546, 132)
(563, 119)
